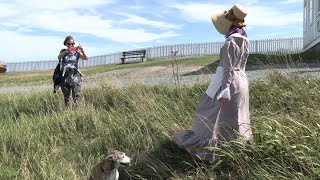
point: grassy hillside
(305, 57)
(40, 139)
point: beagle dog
(107, 169)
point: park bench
(138, 54)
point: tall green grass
(288, 59)
(41, 139)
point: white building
(311, 25)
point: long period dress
(233, 119)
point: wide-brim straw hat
(223, 20)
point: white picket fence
(266, 46)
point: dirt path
(164, 75)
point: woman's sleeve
(226, 59)
(62, 50)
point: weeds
(175, 70)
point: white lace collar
(240, 36)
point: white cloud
(143, 21)
(7, 10)
(138, 35)
(257, 15)
(66, 22)
(16, 46)
(196, 12)
(291, 1)
(271, 17)
(44, 17)
(9, 24)
(75, 23)
(160, 41)
(135, 7)
(59, 4)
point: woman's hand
(80, 48)
(83, 55)
(223, 101)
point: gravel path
(160, 75)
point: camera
(73, 49)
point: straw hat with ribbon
(223, 20)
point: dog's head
(114, 160)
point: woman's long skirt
(214, 123)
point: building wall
(311, 24)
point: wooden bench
(141, 54)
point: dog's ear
(113, 161)
(107, 164)
(117, 154)
(111, 158)
(114, 152)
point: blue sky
(34, 30)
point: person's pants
(74, 90)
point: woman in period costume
(223, 112)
